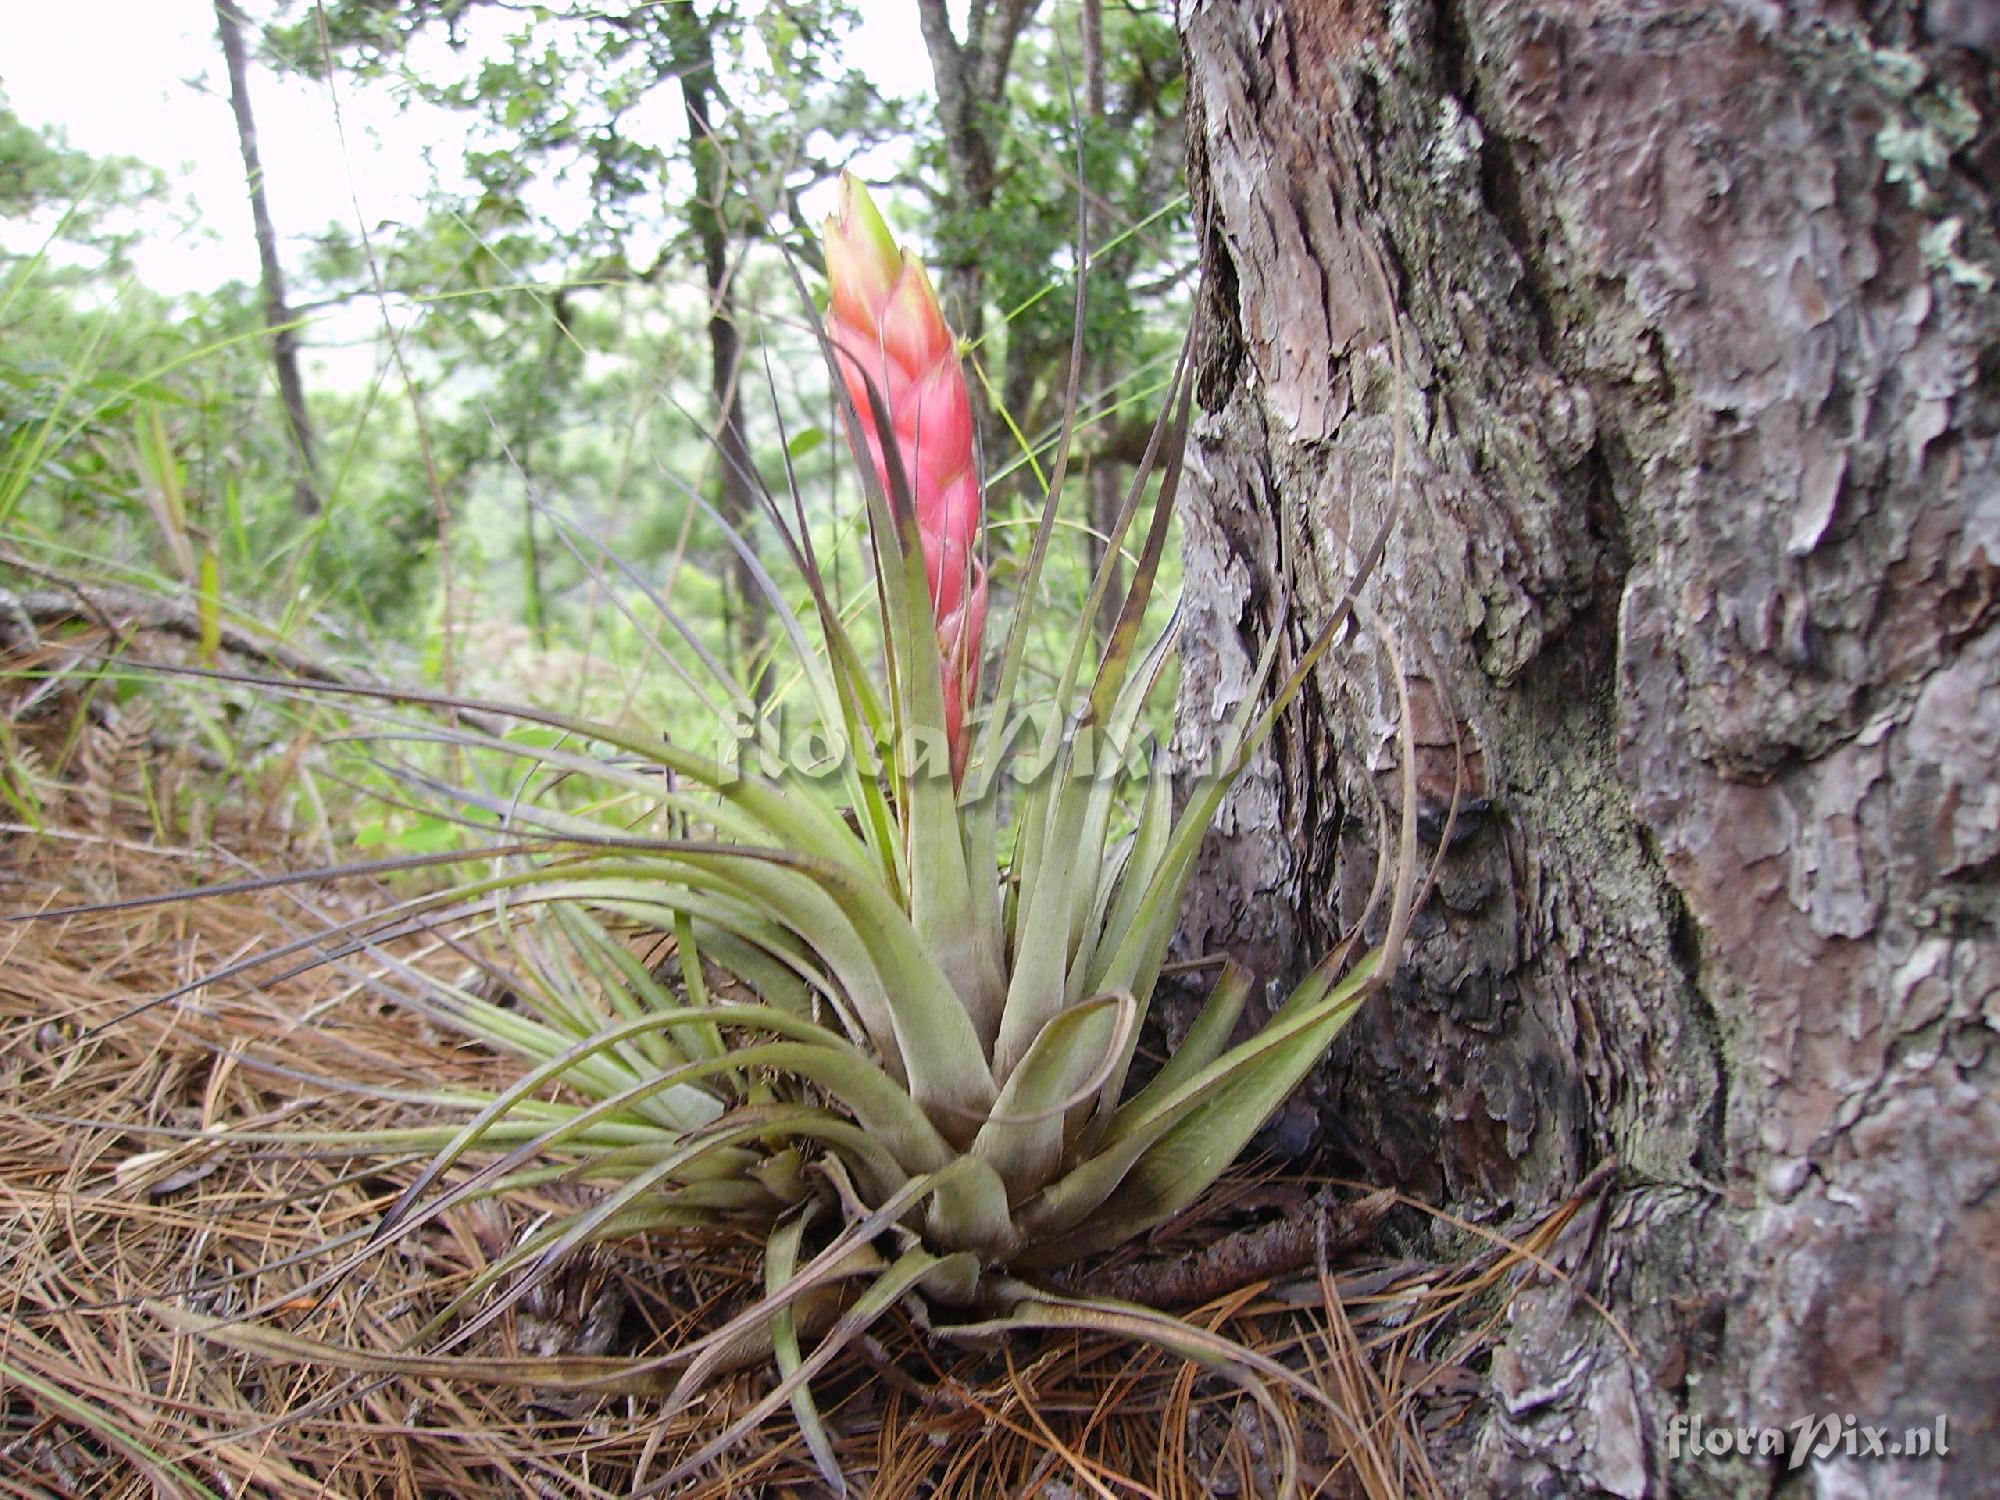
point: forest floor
(139, 1238)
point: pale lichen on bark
(1703, 545)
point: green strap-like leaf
(816, 1053)
(1149, 846)
(969, 1212)
(933, 1034)
(542, 1252)
(941, 905)
(1065, 1066)
(1090, 891)
(848, 1249)
(1250, 1079)
(1038, 990)
(1204, 1042)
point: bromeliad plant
(901, 1057)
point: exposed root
(1242, 1257)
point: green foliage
(138, 437)
(84, 203)
(613, 162)
(1024, 241)
(550, 300)
(1130, 159)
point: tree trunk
(277, 313)
(694, 65)
(1701, 544)
(971, 80)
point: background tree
(1111, 101)
(572, 195)
(277, 310)
(1024, 100)
(689, 55)
(1700, 545)
(90, 205)
(603, 227)
(135, 432)
(971, 68)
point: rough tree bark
(277, 312)
(1702, 545)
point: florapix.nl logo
(1831, 1435)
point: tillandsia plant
(900, 1058)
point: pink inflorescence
(888, 328)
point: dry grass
(124, 1214)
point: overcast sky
(144, 78)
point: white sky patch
(144, 78)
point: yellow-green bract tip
(862, 260)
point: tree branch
(118, 610)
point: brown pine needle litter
(137, 1238)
